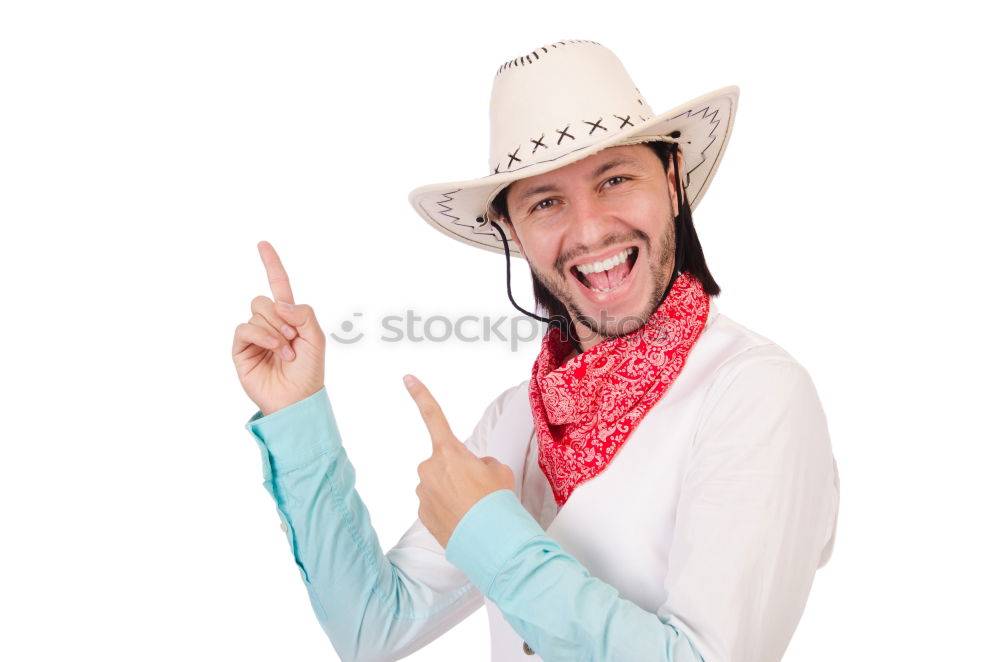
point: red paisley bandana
(586, 409)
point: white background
(145, 147)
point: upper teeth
(604, 265)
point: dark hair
(688, 255)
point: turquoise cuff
(489, 535)
(296, 435)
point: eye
(617, 179)
(544, 204)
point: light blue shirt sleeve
(376, 606)
(372, 606)
(549, 598)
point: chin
(617, 317)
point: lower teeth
(608, 289)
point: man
(661, 488)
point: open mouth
(606, 275)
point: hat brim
(458, 209)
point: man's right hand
(279, 351)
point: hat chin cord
(559, 322)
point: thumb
(303, 318)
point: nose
(591, 221)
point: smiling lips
(606, 275)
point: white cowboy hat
(562, 103)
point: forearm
(549, 598)
(369, 607)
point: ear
(505, 222)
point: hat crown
(558, 99)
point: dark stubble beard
(607, 327)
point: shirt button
(527, 649)
(284, 527)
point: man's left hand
(453, 479)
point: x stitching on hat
(539, 143)
(513, 157)
(595, 125)
(625, 121)
(564, 133)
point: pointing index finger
(281, 288)
(430, 410)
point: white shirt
(713, 516)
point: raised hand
(453, 479)
(279, 352)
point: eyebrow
(598, 171)
(610, 165)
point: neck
(588, 338)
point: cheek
(655, 218)
(540, 248)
